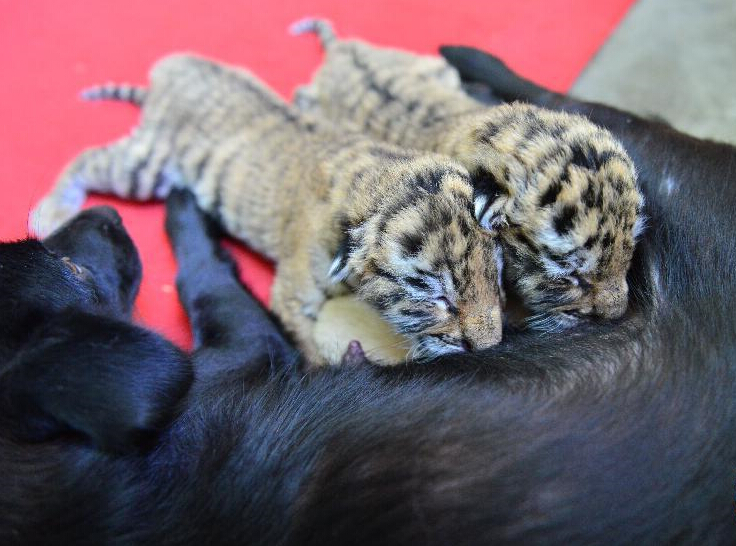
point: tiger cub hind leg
(127, 168)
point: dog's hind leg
(231, 330)
(477, 66)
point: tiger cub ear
(489, 201)
(488, 209)
(339, 270)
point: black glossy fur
(72, 364)
(618, 433)
(79, 384)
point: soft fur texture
(560, 191)
(345, 318)
(606, 434)
(73, 370)
(395, 226)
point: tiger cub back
(394, 226)
(560, 191)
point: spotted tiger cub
(332, 210)
(560, 191)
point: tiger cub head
(562, 194)
(423, 261)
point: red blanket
(49, 50)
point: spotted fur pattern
(331, 209)
(561, 191)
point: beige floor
(675, 59)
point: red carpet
(49, 50)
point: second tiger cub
(560, 191)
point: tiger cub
(330, 209)
(561, 191)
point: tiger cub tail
(306, 98)
(134, 94)
(321, 27)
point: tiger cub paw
(49, 215)
(306, 98)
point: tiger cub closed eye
(560, 190)
(331, 209)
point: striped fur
(560, 191)
(331, 209)
(113, 91)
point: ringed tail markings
(134, 94)
(321, 27)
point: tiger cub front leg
(296, 298)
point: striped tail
(112, 91)
(321, 27)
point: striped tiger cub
(332, 210)
(561, 191)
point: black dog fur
(619, 433)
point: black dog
(84, 394)
(71, 364)
(77, 379)
(643, 451)
(617, 433)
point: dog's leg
(109, 381)
(478, 68)
(231, 329)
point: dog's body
(610, 434)
(78, 382)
